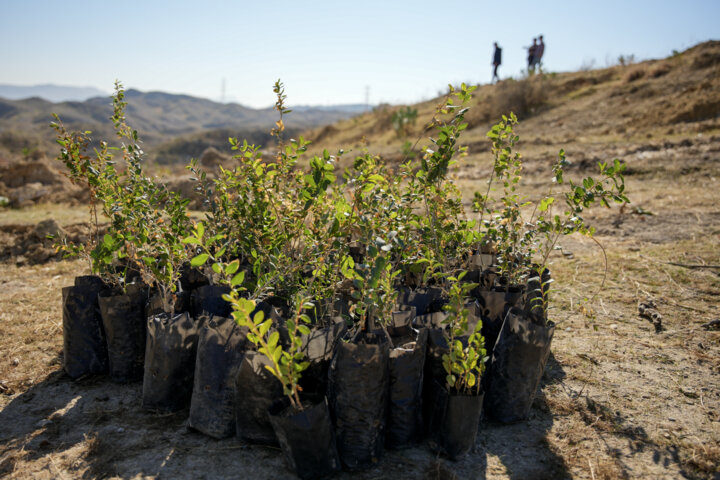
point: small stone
(671, 419)
(613, 326)
(568, 329)
(16, 361)
(120, 430)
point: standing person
(497, 60)
(539, 50)
(531, 56)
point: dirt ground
(618, 399)
(622, 396)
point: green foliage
(403, 119)
(464, 363)
(147, 222)
(282, 225)
(523, 243)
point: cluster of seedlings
(364, 309)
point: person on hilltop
(539, 50)
(531, 56)
(497, 60)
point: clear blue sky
(327, 52)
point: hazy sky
(327, 52)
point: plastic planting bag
(123, 318)
(256, 390)
(454, 423)
(307, 439)
(84, 345)
(319, 348)
(170, 354)
(220, 350)
(425, 300)
(358, 395)
(405, 416)
(521, 351)
(207, 300)
(494, 305)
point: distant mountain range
(160, 118)
(50, 92)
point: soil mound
(27, 182)
(33, 244)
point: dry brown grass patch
(634, 74)
(660, 70)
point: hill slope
(674, 96)
(158, 117)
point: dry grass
(61, 213)
(31, 322)
(634, 74)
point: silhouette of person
(497, 60)
(531, 56)
(539, 50)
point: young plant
(286, 362)
(93, 173)
(523, 244)
(443, 229)
(464, 363)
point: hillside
(669, 98)
(159, 117)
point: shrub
(522, 97)
(403, 119)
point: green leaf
(199, 260)
(237, 279)
(265, 327)
(273, 338)
(232, 267)
(191, 241)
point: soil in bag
(84, 345)
(220, 350)
(358, 396)
(425, 300)
(124, 322)
(191, 278)
(256, 389)
(405, 414)
(170, 353)
(307, 438)
(155, 304)
(521, 351)
(207, 300)
(454, 423)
